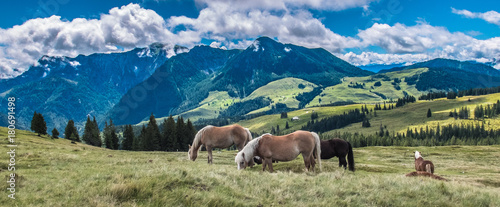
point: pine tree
(152, 139)
(42, 125)
(284, 115)
(191, 132)
(110, 137)
(181, 134)
(38, 124)
(70, 132)
(169, 134)
(381, 132)
(137, 145)
(55, 134)
(96, 134)
(34, 121)
(128, 138)
(107, 135)
(365, 123)
(429, 113)
(87, 133)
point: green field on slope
(369, 93)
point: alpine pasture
(54, 172)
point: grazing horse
(219, 137)
(423, 165)
(281, 148)
(339, 148)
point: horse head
(192, 153)
(241, 161)
(417, 155)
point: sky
(362, 32)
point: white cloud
(226, 22)
(410, 44)
(484, 51)
(323, 5)
(126, 27)
(236, 25)
(492, 17)
(372, 58)
(410, 39)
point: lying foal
(423, 165)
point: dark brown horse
(219, 137)
(281, 148)
(423, 165)
(338, 148)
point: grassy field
(414, 115)
(264, 123)
(58, 173)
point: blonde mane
(197, 139)
(249, 150)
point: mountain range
(128, 86)
(64, 88)
(188, 78)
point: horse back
(334, 147)
(287, 147)
(224, 137)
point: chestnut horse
(339, 148)
(423, 165)
(281, 148)
(219, 137)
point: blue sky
(362, 32)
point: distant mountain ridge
(445, 74)
(63, 88)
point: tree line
(454, 94)
(170, 135)
(463, 134)
(335, 122)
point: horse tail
(317, 148)
(350, 158)
(249, 136)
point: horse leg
(307, 162)
(342, 162)
(313, 162)
(270, 163)
(264, 164)
(209, 150)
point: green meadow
(58, 173)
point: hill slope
(58, 173)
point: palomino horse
(339, 148)
(219, 137)
(423, 165)
(281, 148)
